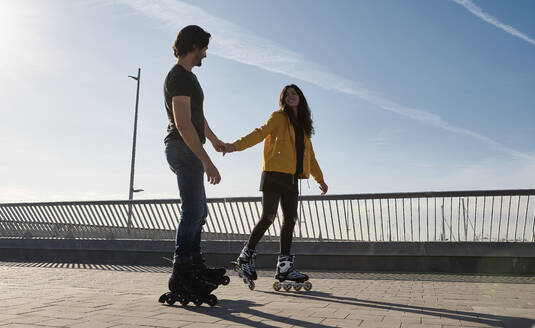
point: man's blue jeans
(190, 173)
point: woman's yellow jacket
(279, 147)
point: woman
(288, 156)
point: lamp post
(131, 189)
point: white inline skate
(288, 276)
(245, 266)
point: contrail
(470, 6)
(232, 42)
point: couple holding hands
(288, 156)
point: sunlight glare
(6, 21)
(21, 32)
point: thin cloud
(471, 7)
(232, 42)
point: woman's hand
(323, 188)
(229, 148)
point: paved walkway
(59, 295)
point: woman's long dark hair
(304, 118)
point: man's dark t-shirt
(181, 82)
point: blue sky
(405, 95)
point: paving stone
(205, 325)
(91, 324)
(27, 320)
(412, 325)
(345, 323)
(59, 322)
(104, 296)
(330, 313)
(379, 324)
(4, 318)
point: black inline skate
(185, 287)
(245, 266)
(212, 275)
(288, 276)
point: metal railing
(490, 215)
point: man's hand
(219, 146)
(229, 148)
(212, 174)
(323, 188)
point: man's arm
(218, 144)
(182, 116)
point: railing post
(129, 222)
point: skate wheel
(287, 286)
(297, 287)
(251, 285)
(163, 298)
(170, 301)
(184, 301)
(212, 300)
(307, 285)
(225, 280)
(197, 301)
(277, 286)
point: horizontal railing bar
(427, 194)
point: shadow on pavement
(402, 276)
(479, 318)
(245, 313)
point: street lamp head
(134, 77)
(137, 190)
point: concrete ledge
(462, 249)
(446, 257)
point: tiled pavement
(56, 295)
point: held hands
(219, 145)
(323, 188)
(223, 147)
(229, 148)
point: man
(187, 132)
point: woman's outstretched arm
(256, 136)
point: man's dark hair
(190, 38)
